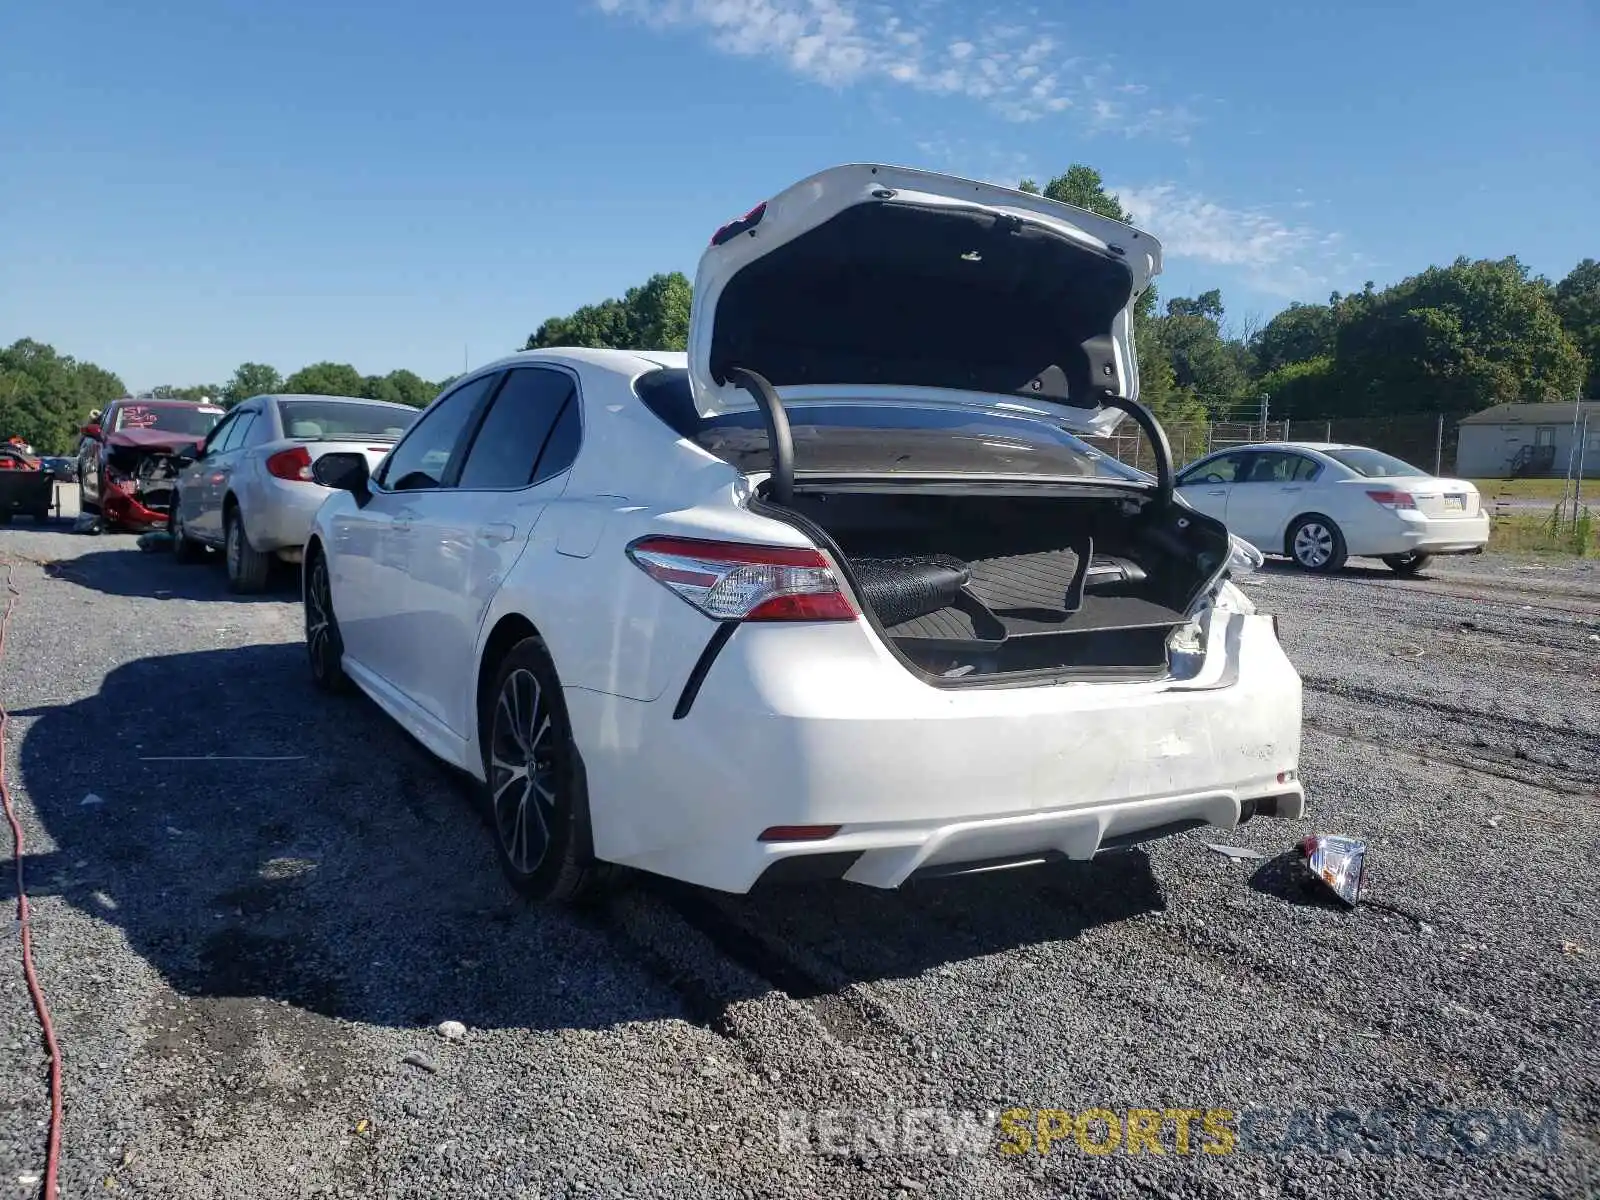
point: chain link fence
(1427, 441)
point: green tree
(399, 387)
(1304, 388)
(1578, 303)
(325, 379)
(1456, 338)
(1300, 333)
(251, 379)
(652, 316)
(45, 396)
(1203, 361)
(199, 391)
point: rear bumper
(278, 519)
(1414, 533)
(819, 725)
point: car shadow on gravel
(154, 575)
(254, 838)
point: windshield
(1373, 464)
(337, 420)
(170, 418)
(886, 439)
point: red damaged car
(129, 459)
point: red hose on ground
(53, 1152)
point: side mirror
(343, 470)
(92, 429)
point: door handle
(1292, 489)
(1218, 492)
(497, 533)
(401, 524)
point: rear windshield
(171, 418)
(884, 439)
(333, 421)
(1373, 464)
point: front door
(1206, 485)
(375, 544)
(468, 536)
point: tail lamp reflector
(734, 581)
(799, 833)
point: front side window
(509, 445)
(424, 455)
(1225, 468)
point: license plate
(1455, 503)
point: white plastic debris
(452, 1031)
(1234, 852)
(91, 799)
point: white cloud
(1017, 71)
(1277, 256)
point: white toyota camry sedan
(1320, 503)
(835, 593)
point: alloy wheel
(523, 770)
(319, 618)
(1313, 544)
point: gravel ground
(247, 958)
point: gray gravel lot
(241, 955)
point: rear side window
(510, 445)
(1373, 464)
(885, 439)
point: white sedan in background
(1321, 502)
(834, 592)
(250, 492)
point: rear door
(1271, 491)
(374, 543)
(1207, 484)
(469, 535)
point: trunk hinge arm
(778, 436)
(1160, 447)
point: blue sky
(191, 184)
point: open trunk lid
(886, 284)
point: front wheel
(1315, 543)
(324, 644)
(1407, 564)
(184, 548)
(86, 505)
(535, 791)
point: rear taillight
(293, 464)
(732, 581)
(1394, 500)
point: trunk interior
(971, 586)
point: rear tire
(248, 567)
(1407, 564)
(1315, 544)
(184, 548)
(537, 803)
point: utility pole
(1438, 448)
